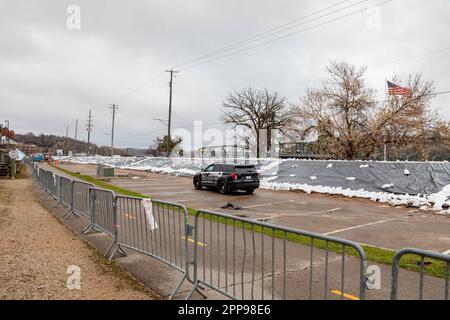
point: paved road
(259, 283)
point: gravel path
(36, 250)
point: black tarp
(423, 178)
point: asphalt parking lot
(353, 219)
(360, 220)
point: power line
(297, 83)
(161, 130)
(410, 58)
(258, 36)
(287, 35)
(180, 117)
(146, 85)
(246, 41)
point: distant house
(28, 149)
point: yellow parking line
(200, 244)
(129, 216)
(345, 295)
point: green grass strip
(432, 267)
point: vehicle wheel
(198, 185)
(222, 187)
(249, 191)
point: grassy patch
(374, 254)
(102, 184)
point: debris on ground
(231, 206)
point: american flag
(395, 89)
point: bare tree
(348, 123)
(337, 114)
(405, 120)
(256, 110)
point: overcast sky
(51, 74)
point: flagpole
(386, 98)
(386, 90)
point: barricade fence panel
(41, 178)
(246, 259)
(157, 229)
(56, 192)
(66, 186)
(47, 181)
(170, 239)
(437, 288)
(102, 208)
(81, 199)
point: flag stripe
(394, 89)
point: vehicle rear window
(245, 169)
(228, 168)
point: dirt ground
(36, 250)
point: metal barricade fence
(56, 191)
(445, 259)
(237, 257)
(66, 187)
(159, 230)
(103, 215)
(48, 182)
(246, 259)
(81, 203)
(41, 177)
(35, 169)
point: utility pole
(76, 134)
(89, 129)
(76, 129)
(169, 122)
(114, 107)
(65, 141)
(67, 133)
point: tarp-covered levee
(364, 179)
(395, 177)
